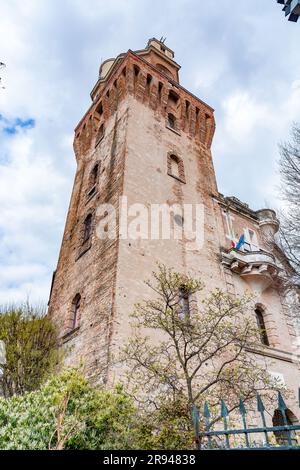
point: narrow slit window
(93, 179)
(148, 84)
(262, 327)
(100, 109)
(87, 229)
(187, 108)
(94, 174)
(184, 303)
(75, 311)
(160, 87)
(100, 134)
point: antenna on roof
(162, 39)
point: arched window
(85, 234)
(278, 420)
(99, 109)
(136, 73)
(172, 121)
(93, 179)
(262, 327)
(94, 174)
(164, 70)
(87, 229)
(187, 108)
(75, 311)
(176, 167)
(184, 303)
(100, 134)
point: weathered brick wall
(92, 272)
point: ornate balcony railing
(259, 268)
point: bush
(67, 413)
(30, 341)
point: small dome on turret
(105, 67)
(268, 221)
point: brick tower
(147, 139)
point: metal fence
(279, 437)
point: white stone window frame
(229, 219)
(251, 239)
(278, 377)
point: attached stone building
(148, 139)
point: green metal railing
(275, 437)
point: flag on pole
(231, 231)
(241, 242)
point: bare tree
(66, 425)
(194, 353)
(289, 235)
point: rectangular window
(251, 243)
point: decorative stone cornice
(273, 353)
(234, 204)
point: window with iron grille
(176, 167)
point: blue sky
(240, 57)
(11, 127)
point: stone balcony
(258, 268)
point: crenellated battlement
(133, 75)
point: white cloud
(242, 114)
